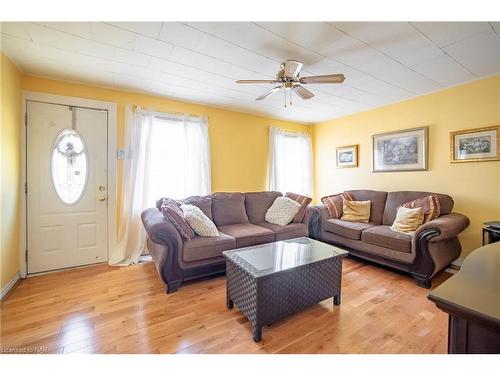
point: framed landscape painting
(347, 156)
(481, 144)
(403, 150)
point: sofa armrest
(166, 245)
(320, 217)
(310, 211)
(310, 219)
(448, 226)
(159, 229)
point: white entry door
(66, 186)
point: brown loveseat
(430, 249)
(239, 217)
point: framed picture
(481, 144)
(399, 151)
(347, 156)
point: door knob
(102, 187)
(102, 199)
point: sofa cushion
(408, 219)
(398, 198)
(377, 199)
(248, 234)
(257, 204)
(207, 247)
(282, 211)
(347, 229)
(175, 215)
(304, 202)
(199, 222)
(334, 204)
(228, 208)
(292, 230)
(358, 211)
(203, 203)
(430, 205)
(383, 235)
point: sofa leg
(423, 281)
(172, 287)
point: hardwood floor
(104, 309)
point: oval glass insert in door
(69, 166)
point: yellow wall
(475, 187)
(10, 175)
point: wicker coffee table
(271, 281)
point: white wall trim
(112, 160)
(6, 289)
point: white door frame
(110, 107)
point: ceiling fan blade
(303, 93)
(329, 78)
(267, 93)
(256, 81)
(292, 68)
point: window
(179, 157)
(69, 166)
(290, 167)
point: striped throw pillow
(173, 213)
(430, 206)
(304, 202)
(334, 203)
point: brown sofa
(239, 217)
(430, 249)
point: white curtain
(290, 168)
(166, 155)
(179, 157)
(135, 186)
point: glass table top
(265, 259)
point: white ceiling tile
(153, 47)
(496, 27)
(444, 70)
(130, 57)
(479, 53)
(81, 29)
(190, 38)
(311, 35)
(257, 39)
(15, 29)
(151, 29)
(210, 64)
(97, 31)
(364, 58)
(398, 40)
(112, 35)
(446, 33)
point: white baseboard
(6, 289)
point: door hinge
(25, 188)
(26, 256)
(26, 119)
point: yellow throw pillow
(356, 211)
(408, 219)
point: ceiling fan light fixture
(289, 80)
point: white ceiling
(383, 62)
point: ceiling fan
(288, 78)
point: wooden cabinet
(472, 300)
